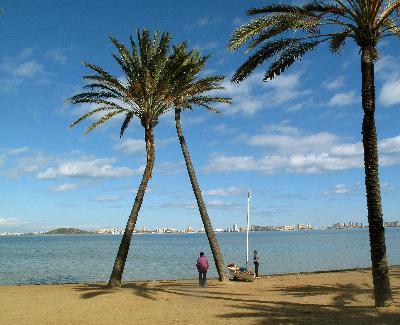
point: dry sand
(344, 297)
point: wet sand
(340, 297)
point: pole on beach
(248, 223)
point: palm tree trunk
(218, 259)
(119, 264)
(383, 295)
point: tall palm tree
(193, 91)
(148, 92)
(283, 33)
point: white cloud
(231, 191)
(253, 95)
(213, 204)
(26, 69)
(57, 55)
(388, 71)
(224, 129)
(187, 119)
(343, 99)
(9, 153)
(390, 145)
(390, 93)
(17, 151)
(282, 128)
(231, 163)
(385, 186)
(170, 169)
(11, 222)
(63, 188)
(225, 205)
(33, 163)
(334, 84)
(25, 161)
(299, 153)
(176, 205)
(341, 189)
(205, 21)
(347, 150)
(88, 167)
(16, 70)
(106, 198)
(290, 143)
(208, 46)
(131, 146)
(387, 66)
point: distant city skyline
(294, 141)
(190, 229)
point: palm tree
(148, 92)
(283, 33)
(192, 90)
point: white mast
(248, 223)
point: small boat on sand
(239, 273)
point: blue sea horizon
(54, 259)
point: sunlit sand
(344, 297)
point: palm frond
(88, 114)
(205, 102)
(337, 41)
(157, 80)
(266, 52)
(123, 57)
(106, 77)
(288, 57)
(125, 124)
(245, 32)
(312, 7)
(282, 24)
(391, 26)
(387, 11)
(102, 120)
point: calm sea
(89, 258)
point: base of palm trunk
(383, 300)
(114, 283)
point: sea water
(89, 258)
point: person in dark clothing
(256, 261)
(202, 267)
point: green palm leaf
(267, 51)
(288, 57)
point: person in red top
(202, 267)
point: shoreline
(271, 275)
(332, 297)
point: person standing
(256, 261)
(202, 267)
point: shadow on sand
(267, 311)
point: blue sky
(294, 141)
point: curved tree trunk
(383, 295)
(119, 264)
(218, 259)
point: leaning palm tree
(283, 33)
(149, 90)
(193, 93)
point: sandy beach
(344, 297)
